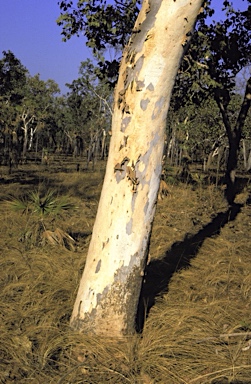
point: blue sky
(28, 28)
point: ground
(194, 321)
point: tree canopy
(32, 112)
(106, 25)
(12, 78)
(219, 51)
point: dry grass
(199, 279)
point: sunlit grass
(197, 332)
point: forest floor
(196, 292)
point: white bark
(26, 119)
(32, 133)
(248, 166)
(109, 290)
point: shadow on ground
(159, 272)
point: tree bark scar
(135, 46)
(98, 267)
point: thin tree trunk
(244, 149)
(249, 162)
(25, 142)
(109, 290)
(234, 138)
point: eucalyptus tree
(89, 102)
(13, 76)
(109, 290)
(36, 108)
(193, 131)
(27, 103)
(220, 50)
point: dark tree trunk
(234, 138)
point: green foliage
(194, 130)
(41, 205)
(12, 78)
(12, 84)
(219, 50)
(38, 108)
(102, 22)
(27, 104)
(105, 25)
(42, 210)
(88, 107)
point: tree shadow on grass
(159, 272)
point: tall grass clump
(42, 213)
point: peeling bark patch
(155, 140)
(150, 87)
(129, 77)
(117, 302)
(144, 182)
(104, 243)
(100, 297)
(129, 227)
(120, 176)
(144, 104)
(146, 207)
(125, 122)
(98, 267)
(137, 41)
(137, 69)
(154, 5)
(133, 201)
(142, 173)
(158, 107)
(123, 143)
(146, 157)
(139, 85)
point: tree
(219, 51)
(90, 107)
(26, 102)
(109, 290)
(12, 78)
(12, 85)
(35, 108)
(115, 19)
(193, 131)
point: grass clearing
(196, 293)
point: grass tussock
(197, 285)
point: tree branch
(224, 117)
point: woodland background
(196, 326)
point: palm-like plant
(42, 205)
(42, 210)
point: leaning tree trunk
(234, 138)
(109, 290)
